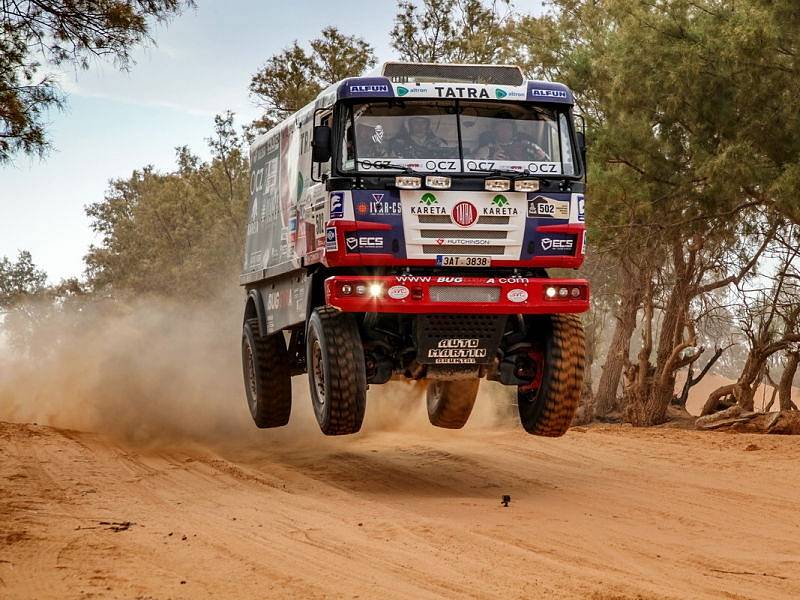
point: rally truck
(400, 227)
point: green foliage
(20, 280)
(179, 233)
(58, 32)
(460, 31)
(292, 78)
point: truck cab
(401, 227)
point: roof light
(526, 185)
(498, 185)
(551, 292)
(361, 289)
(376, 290)
(347, 289)
(437, 182)
(408, 182)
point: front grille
(428, 219)
(464, 293)
(465, 234)
(493, 220)
(447, 220)
(468, 250)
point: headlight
(498, 185)
(408, 182)
(526, 185)
(437, 182)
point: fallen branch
(736, 419)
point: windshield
(456, 136)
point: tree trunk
(785, 385)
(605, 400)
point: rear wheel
(267, 379)
(549, 409)
(336, 372)
(450, 402)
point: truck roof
(396, 79)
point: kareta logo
(428, 199)
(500, 93)
(401, 91)
(500, 201)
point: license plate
(463, 261)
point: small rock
(751, 447)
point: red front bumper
(453, 294)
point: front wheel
(336, 373)
(549, 409)
(450, 402)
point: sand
(606, 512)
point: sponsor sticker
(398, 292)
(540, 93)
(337, 205)
(581, 208)
(500, 201)
(363, 241)
(542, 207)
(517, 295)
(457, 349)
(463, 242)
(331, 243)
(557, 245)
(369, 89)
(382, 207)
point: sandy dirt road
(603, 513)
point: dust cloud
(154, 371)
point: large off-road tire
(450, 402)
(267, 379)
(337, 376)
(549, 410)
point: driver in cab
(505, 144)
(418, 140)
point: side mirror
(582, 148)
(321, 144)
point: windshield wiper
(509, 172)
(380, 165)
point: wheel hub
(319, 372)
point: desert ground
(400, 511)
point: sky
(116, 122)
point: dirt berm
(603, 513)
